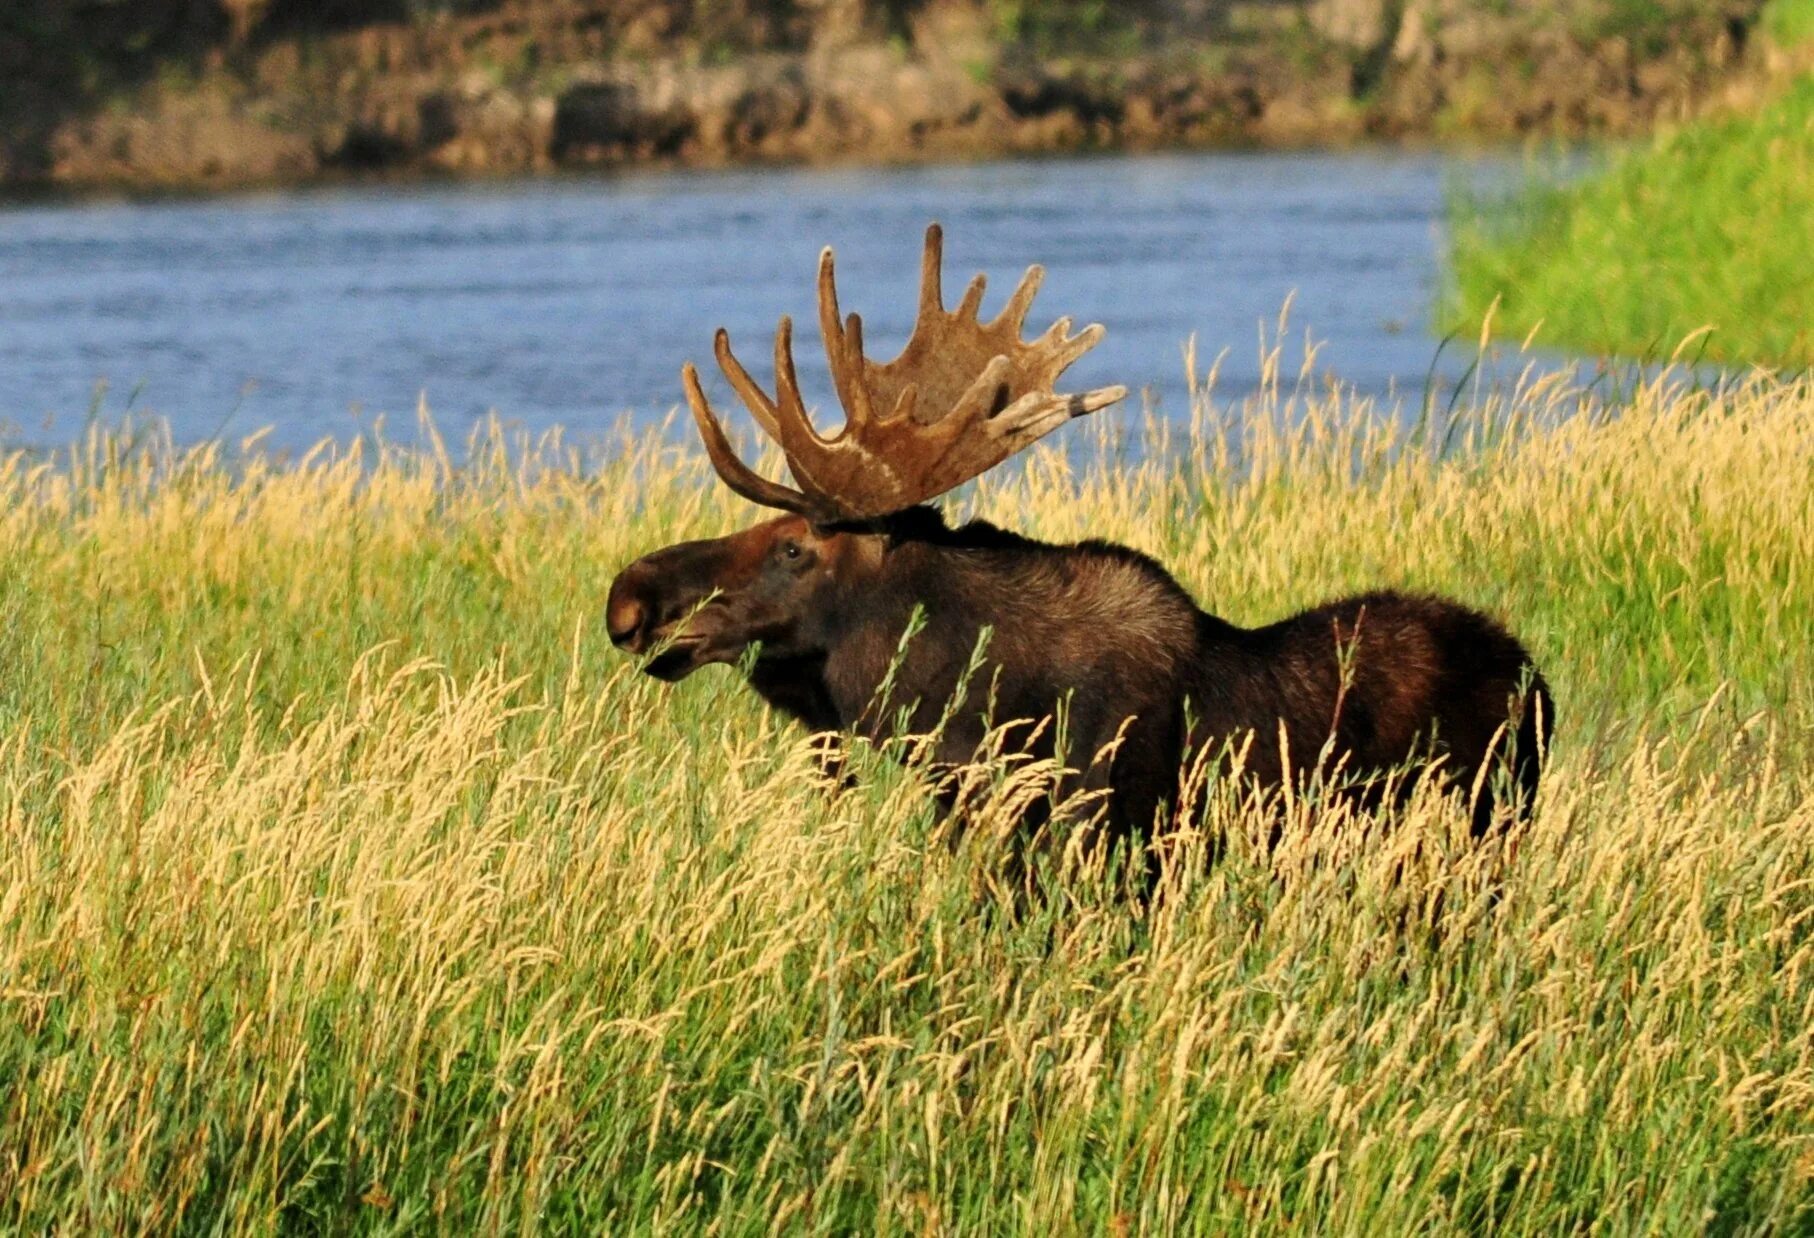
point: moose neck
(864, 623)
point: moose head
(962, 397)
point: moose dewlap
(1094, 630)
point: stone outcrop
(185, 143)
(861, 102)
(530, 84)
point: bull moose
(861, 585)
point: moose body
(1103, 660)
(1104, 657)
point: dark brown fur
(1098, 631)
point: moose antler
(962, 397)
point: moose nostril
(624, 621)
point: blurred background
(238, 214)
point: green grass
(350, 881)
(1788, 23)
(1710, 226)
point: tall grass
(1708, 227)
(349, 881)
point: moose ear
(828, 527)
(921, 523)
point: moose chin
(1096, 633)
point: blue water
(571, 302)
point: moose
(861, 591)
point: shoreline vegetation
(215, 94)
(350, 880)
(1704, 232)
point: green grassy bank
(1710, 226)
(349, 880)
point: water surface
(571, 302)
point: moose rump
(1373, 692)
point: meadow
(1704, 229)
(350, 881)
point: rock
(527, 83)
(870, 99)
(1359, 24)
(760, 114)
(1039, 91)
(195, 141)
(616, 120)
(836, 24)
(955, 33)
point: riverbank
(1700, 236)
(533, 85)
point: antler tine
(1100, 398)
(785, 419)
(979, 398)
(932, 261)
(753, 397)
(735, 473)
(859, 409)
(844, 376)
(787, 381)
(1014, 313)
(795, 429)
(1073, 348)
(1034, 416)
(973, 298)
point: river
(573, 301)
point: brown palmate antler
(962, 397)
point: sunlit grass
(349, 879)
(1708, 228)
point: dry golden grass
(349, 880)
